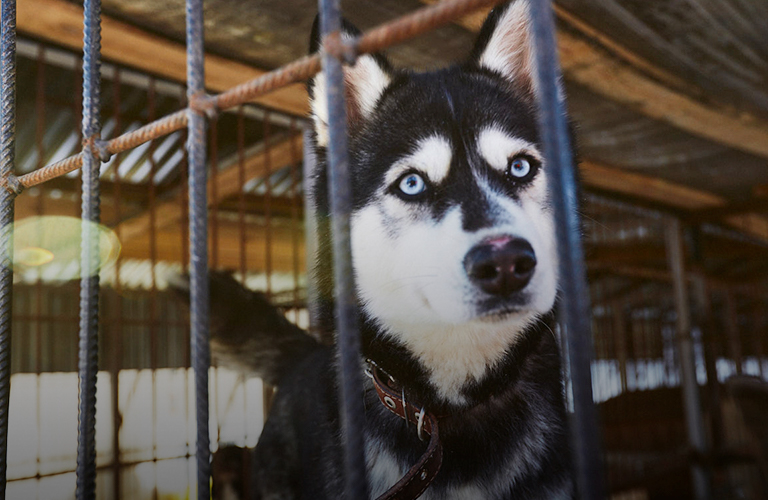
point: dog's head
(452, 230)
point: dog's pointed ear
(364, 84)
(505, 45)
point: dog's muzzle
(501, 265)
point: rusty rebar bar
(150, 131)
(198, 242)
(88, 345)
(7, 197)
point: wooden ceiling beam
(598, 63)
(667, 194)
(171, 246)
(285, 207)
(653, 189)
(734, 208)
(61, 22)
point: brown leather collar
(421, 475)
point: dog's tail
(248, 334)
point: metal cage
(199, 115)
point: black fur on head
(410, 105)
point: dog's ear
(505, 45)
(364, 84)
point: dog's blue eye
(519, 167)
(412, 185)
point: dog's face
(452, 232)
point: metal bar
(574, 309)
(268, 391)
(758, 326)
(213, 138)
(198, 242)
(693, 414)
(7, 160)
(732, 329)
(128, 465)
(348, 350)
(88, 362)
(620, 334)
(40, 148)
(184, 204)
(117, 329)
(153, 340)
(241, 193)
(268, 211)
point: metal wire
(117, 329)
(198, 243)
(348, 351)
(574, 310)
(88, 362)
(7, 147)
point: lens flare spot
(51, 245)
(34, 256)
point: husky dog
(455, 263)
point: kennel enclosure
(621, 290)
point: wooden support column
(694, 419)
(732, 330)
(620, 336)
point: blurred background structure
(670, 99)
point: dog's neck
(462, 388)
(443, 369)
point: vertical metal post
(213, 138)
(40, 148)
(268, 392)
(574, 303)
(241, 194)
(691, 403)
(117, 328)
(198, 242)
(88, 362)
(268, 212)
(620, 336)
(732, 329)
(309, 165)
(348, 335)
(7, 196)
(758, 327)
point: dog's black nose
(501, 266)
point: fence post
(88, 351)
(7, 196)
(351, 409)
(198, 241)
(574, 309)
(691, 402)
